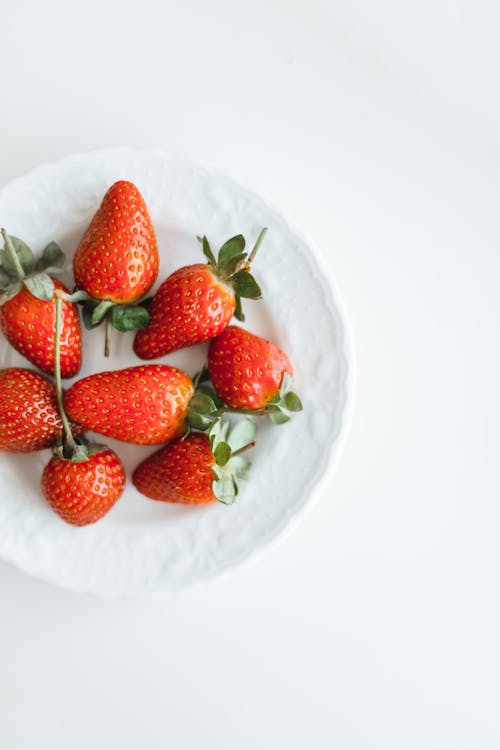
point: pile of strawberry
(115, 265)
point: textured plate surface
(143, 547)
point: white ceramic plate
(143, 547)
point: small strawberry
(145, 405)
(82, 492)
(197, 302)
(199, 468)
(29, 418)
(116, 262)
(250, 373)
(27, 312)
(81, 482)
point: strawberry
(250, 373)
(81, 482)
(197, 302)
(145, 405)
(82, 492)
(29, 418)
(116, 262)
(199, 468)
(27, 312)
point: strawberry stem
(258, 243)
(78, 296)
(245, 448)
(57, 372)
(107, 336)
(13, 255)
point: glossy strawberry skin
(145, 405)
(181, 472)
(191, 306)
(29, 417)
(117, 258)
(246, 370)
(82, 493)
(29, 325)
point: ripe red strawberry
(199, 468)
(117, 258)
(27, 312)
(29, 418)
(116, 262)
(83, 492)
(145, 405)
(197, 302)
(179, 473)
(248, 372)
(28, 323)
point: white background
(374, 126)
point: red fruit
(145, 405)
(191, 306)
(246, 370)
(82, 493)
(197, 302)
(117, 258)
(29, 417)
(29, 324)
(179, 473)
(198, 468)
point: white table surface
(374, 126)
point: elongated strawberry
(83, 492)
(249, 372)
(116, 262)
(29, 417)
(197, 302)
(145, 405)
(199, 468)
(27, 312)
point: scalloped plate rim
(332, 453)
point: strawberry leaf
(11, 291)
(225, 490)
(198, 421)
(242, 434)
(24, 254)
(52, 256)
(87, 313)
(245, 285)
(41, 286)
(207, 251)
(279, 416)
(238, 311)
(5, 279)
(219, 403)
(286, 383)
(201, 377)
(222, 454)
(232, 264)
(100, 311)
(133, 318)
(293, 402)
(202, 403)
(230, 249)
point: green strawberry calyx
(232, 266)
(123, 317)
(205, 406)
(228, 442)
(284, 403)
(18, 268)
